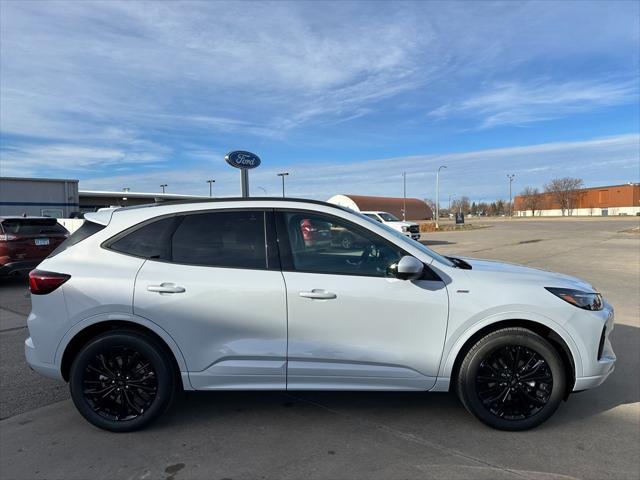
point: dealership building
(416, 209)
(61, 198)
(594, 201)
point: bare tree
(531, 199)
(432, 205)
(564, 192)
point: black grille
(414, 228)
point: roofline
(30, 179)
(120, 193)
(239, 199)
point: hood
(401, 223)
(522, 273)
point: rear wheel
(122, 380)
(512, 379)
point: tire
(526, 396)
(122, 380)
(346, 241)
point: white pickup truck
(410, 229)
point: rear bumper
(18, 266)
(46, 369)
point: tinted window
(326, 244)
(33, 226)
(150, 241)
(85, 231)
(221, 239)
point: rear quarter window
(85, 231)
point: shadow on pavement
(622, 387)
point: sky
(343, 96)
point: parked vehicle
(26, 241)
(410, 229)
(143, 302)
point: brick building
(595, 201)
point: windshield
(404, 238)
(387, 217)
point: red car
(316, 235)
(26, 241)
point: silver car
(236, 294)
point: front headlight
(584, 300)
(405, 229)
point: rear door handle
(166, 288)
(318, 294)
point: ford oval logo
(241, 159)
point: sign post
(244, 161)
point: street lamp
(163, 186)
(404, 195)
(283, 174)
(510, 176)
(211, 182)
(438, 195)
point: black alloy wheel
(122, 380)
(512, 379)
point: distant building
(60, 198)
(39, 197)
(594, 201)
(416, 209)
(92, 200)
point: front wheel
(122, 380)
(512, 379)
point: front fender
(456, 341)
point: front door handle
(318, 294)
(166, 288)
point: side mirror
(408, 268)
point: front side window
(221, 239)
(325, 244)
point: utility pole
(211, 182)
(510, 176)
(283, 174)
(163, 186)
(438, 195)
(404, 195)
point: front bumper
(600, 361)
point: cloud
(517, 103)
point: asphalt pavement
(264, 435)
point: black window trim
(272, 258)
(286, 256)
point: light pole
(438, 195)
(404, 195)
(163, 186)
(211, 182)
(283, 174)
(510, 176)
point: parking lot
(263, 435)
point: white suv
(410, 229)
(142, 302)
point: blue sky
(344, 96)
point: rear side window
(33, 226)
(85, 231)
(152, 240)
(234, 239)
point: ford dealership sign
(243, 160)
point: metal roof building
(416, 209)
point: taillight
(41, 283)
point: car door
(352, 325)
(218, 291)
